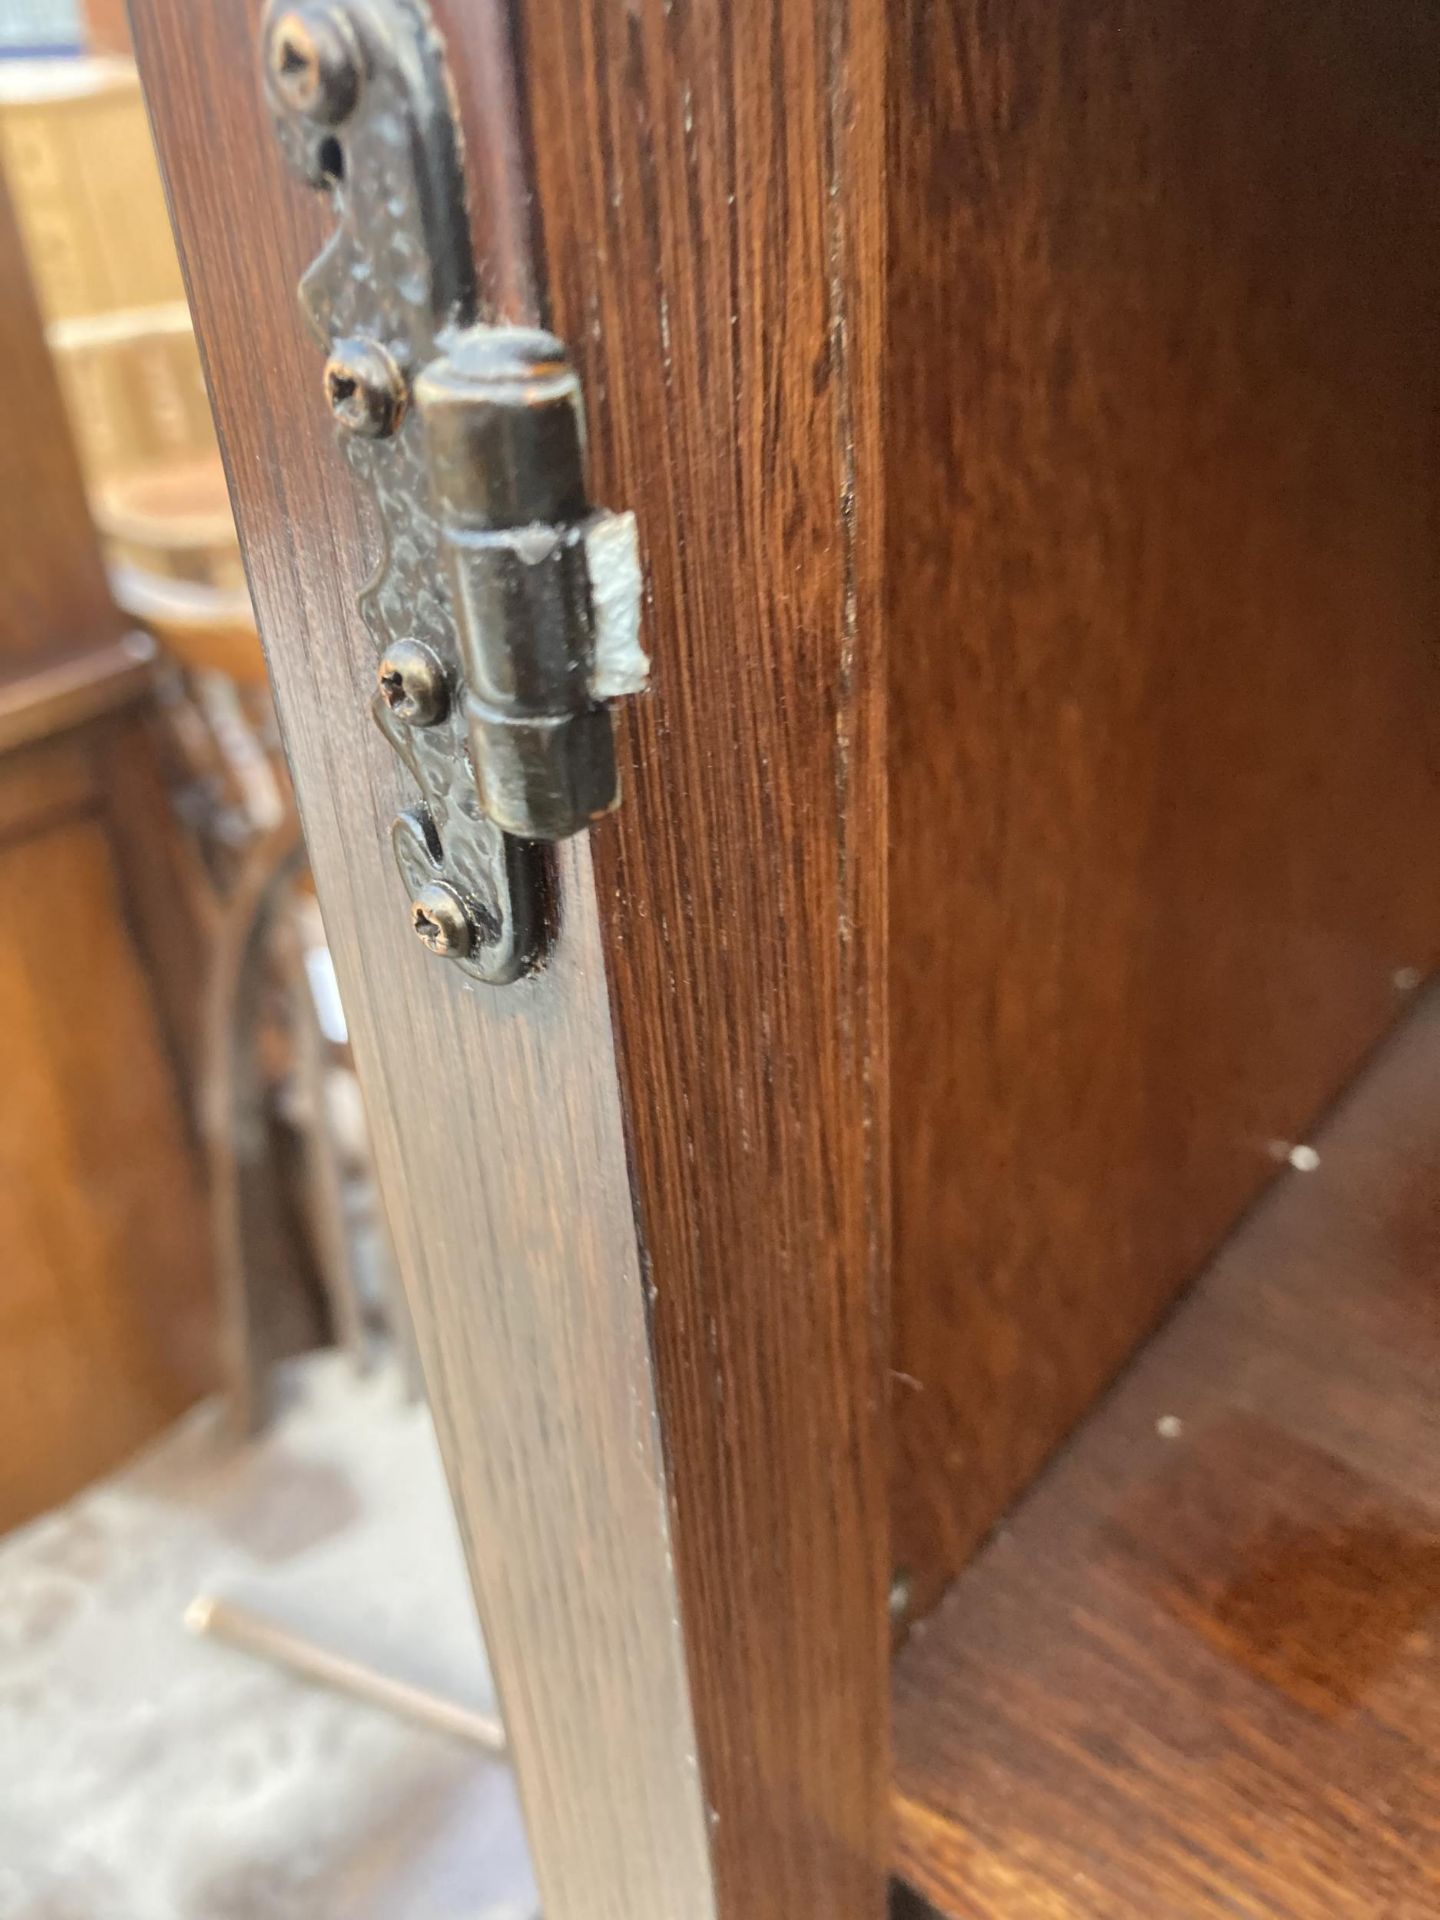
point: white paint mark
(1303, 1159)
(612, 555)
(1170, 1426)
(325, 992)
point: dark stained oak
(1112, 468)
(1197, 1673)
(493, 1113)
(1165, 681)
(638, 1200)
(709, 190)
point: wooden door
(638, 1197)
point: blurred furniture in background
(76, 147)
(258, 1066)
(82, 174)
(249, 1790)
(107, 27)
(106, 1310)
(31, 27)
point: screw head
(413, 684)
(365, 388)
(314, 67)
(437, 913)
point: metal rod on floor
(252, 1633)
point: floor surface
(146, 1774)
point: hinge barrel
(504, 441)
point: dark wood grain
(741, 883)
(1198, 1673)
(709, 188)
(733, 402)
(1162, 643)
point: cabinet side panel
(1165, 702)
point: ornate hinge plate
(503, 608)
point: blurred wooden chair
(285, 1155)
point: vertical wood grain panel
(494, 1113)
(709, 185)
(1162, 602)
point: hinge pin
(504, 440)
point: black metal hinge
(504, 608)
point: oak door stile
(494, 1110)
(647, 1261)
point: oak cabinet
(1030, 827)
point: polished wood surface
(1162, 640)
(709, 184)
(738, 903)
(495, 1113)
(67, 655)
(1198, 1672)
